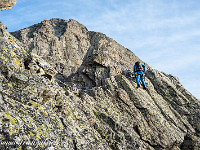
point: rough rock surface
(7, 4)
(65, 87)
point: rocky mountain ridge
(71, 88)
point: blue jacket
(134, 69)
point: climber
(139, 70)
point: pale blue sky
(163, 33)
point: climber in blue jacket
(139, 70)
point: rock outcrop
(7, 4)
(64, 87)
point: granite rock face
(69, 47)
(64, 87)
(7, 4)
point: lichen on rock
(64, 87)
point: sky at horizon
(164, 34)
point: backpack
(138, 66)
